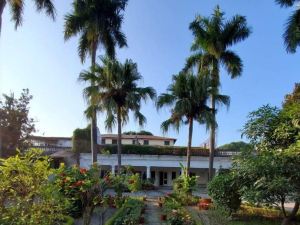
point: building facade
(162, 166)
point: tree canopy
(15, 122)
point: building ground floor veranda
(161, 169)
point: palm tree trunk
(119, 140)
(94, 114)
(2, 5)
(212, 140)
(188, 153)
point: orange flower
(83, 170)
(79, 183)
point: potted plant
(163, 217)
(142, 220)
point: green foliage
(17, 9)
(149, 150)
(294, 97)
(188, 96)
(82, 187)
(260, 126)
(224, 189)
(142, 132)
(115, 90)
(236, 146)
(128, 214)
(27, 193)
(126, 180)
(97, 23)
(81, 139)
(15, 124)
(217, 216)
(176, 213)
(272, 128)
(184, 184)
(270, 177)
(291, 34)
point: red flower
(131, 181)
(78, 183)
(83, 170)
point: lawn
(254, 222)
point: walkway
(152, 212)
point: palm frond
(48, 6)
(292, 32)
(285, 3)
(165, 100)
(232, 63)
(17, 8)
(140, 118)
(235, 30)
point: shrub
(176, 214)
(27, 193)
(225, 192)
(83, 188)
(128, 214)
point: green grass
(254, 222)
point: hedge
(129, 213)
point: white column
(148, 172)
(113, 169)
(182, 171)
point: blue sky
(36, 57)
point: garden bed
(129, 213)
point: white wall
(141, 141)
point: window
(167, 142)
(133, 142)
(103, 141)
(146, 142)
(114, 141)
(153, 175)
(173, 175)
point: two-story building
(160, 163)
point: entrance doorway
(163, 178)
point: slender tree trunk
(188, 153)
(287, 220)
(2, 6)
(94, 115)
(119, 140)
(212, 141)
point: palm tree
(98, 22)
(17, 9)
(116, 92)
(292, 30)
(213, 38)
(188, 96)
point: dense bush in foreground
(128, 214)
(27, 194)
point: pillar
(113, 169)
(148, 172)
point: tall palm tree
(292, 30)
(17, 9)
(188, 96)
(213, 37)
(98, 22)
(116, 92)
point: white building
(162, 167)
(138, 140)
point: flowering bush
(84, 188)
